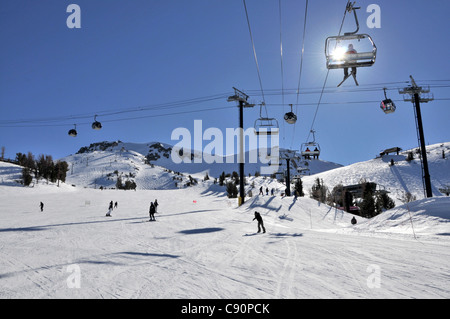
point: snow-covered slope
(203, 246)
(404, 176)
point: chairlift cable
(281, 59)
(324, 83)
(301, 68)
(254, 55)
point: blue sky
(149, 67)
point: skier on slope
(260, 222)
(152, 211)
(156, 206)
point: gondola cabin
(96, 125)
(73, 132)
(290, 118)
(387, 106)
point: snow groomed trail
(203, 246)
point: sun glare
(339, 53)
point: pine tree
(384, 202)
(232, 190)
(26, 176)
(319, 191)
(221, 179)
(298, 188)
(235, 176)
(368, 207)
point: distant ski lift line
(29, 123)
(42, 122)
(378, 86)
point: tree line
(371, 203)
(42, 167)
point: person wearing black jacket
(152, 211)
(260, 222)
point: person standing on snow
(260, 222)
(42, 206)
(152, 211)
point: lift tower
(241, 98)
(414, 91)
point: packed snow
(202, 245)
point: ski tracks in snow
(283, 289)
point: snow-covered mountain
(101, 163)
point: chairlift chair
(337, 58)
(387, 105)
(96, 125)
(336, 53)
(73, 132)
(266, 125)
(310, 149)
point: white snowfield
(202, 245)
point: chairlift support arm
(350, 7)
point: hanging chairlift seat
(310, 150)
(341, 59)
(266, 126)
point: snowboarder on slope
(42, 206)
(110, 208)
(260, 222)
(353, 220)
(152, 211)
